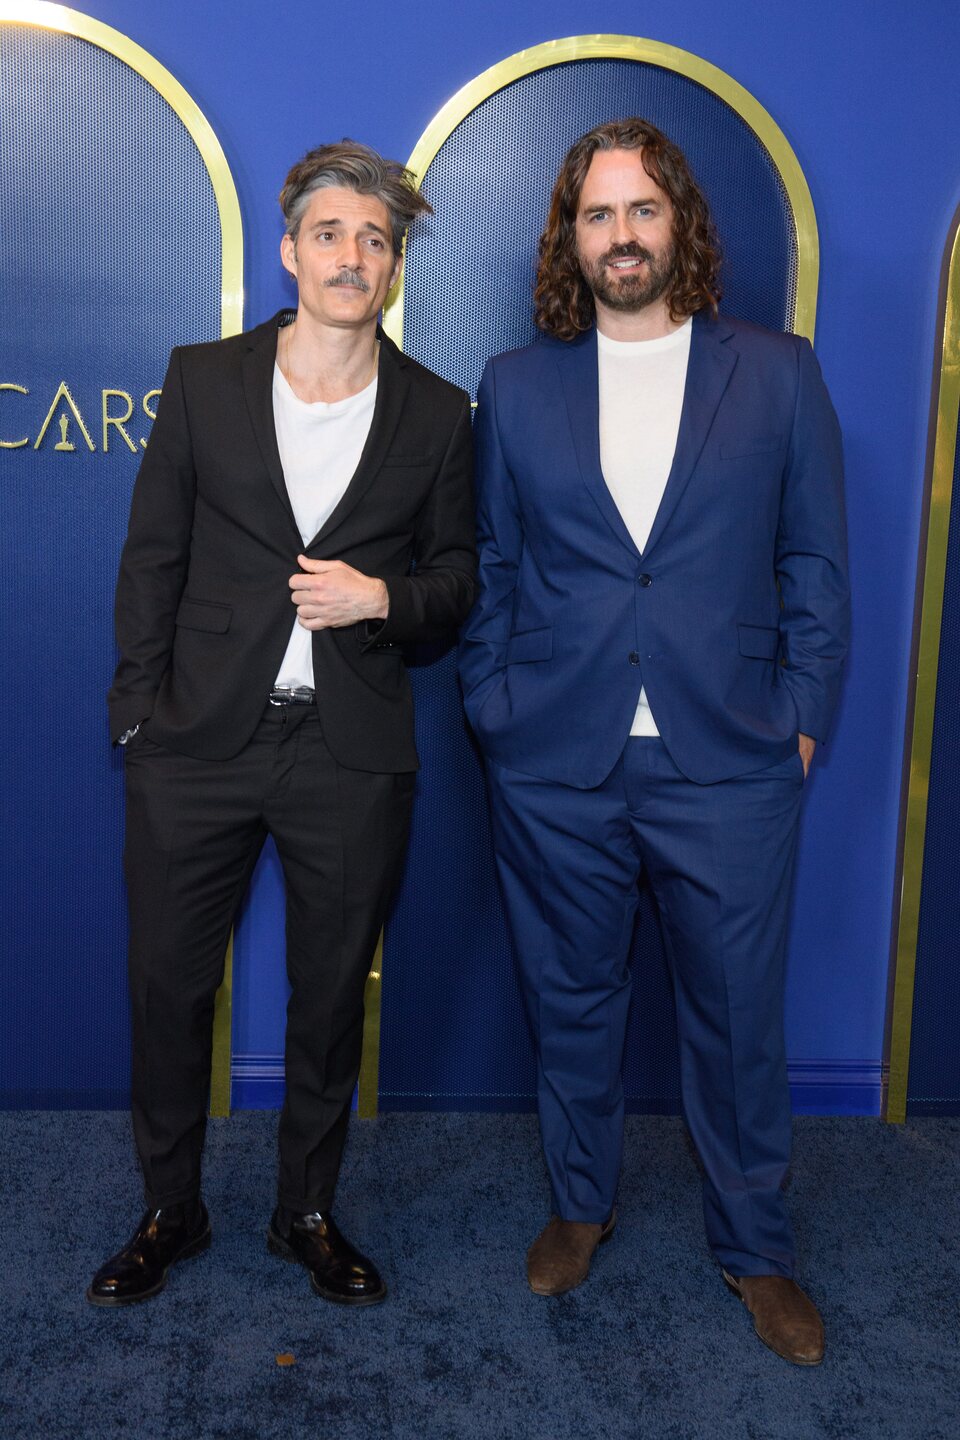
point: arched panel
(453, 1033)
(119, 237)
(924, 1075)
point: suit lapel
(392, 386)
(577, 363)
(709, 368)
(258, 363)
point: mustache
(632, 251)
(352, 278)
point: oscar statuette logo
(63, 443)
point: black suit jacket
(203, 608)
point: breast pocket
(409, 462)
(752, 445)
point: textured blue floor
(652, 1346)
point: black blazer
(203, 610)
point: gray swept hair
(354, 167)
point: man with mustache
(304, 509)
(663, 567)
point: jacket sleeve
(811, 555)
(483, 645)
(153, 565)
(435, 598)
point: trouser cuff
(160, 1199)
(309, 1205)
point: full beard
(631, 292)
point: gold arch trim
(668, 57)
(933, 560)
(71, 22)
(84, 27)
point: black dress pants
(194, 831)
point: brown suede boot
(783, 1316)
(559, 1258)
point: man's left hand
(329, 594)
(807, 746)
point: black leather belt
(286, 695)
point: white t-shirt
(320, 447)
(641, 397)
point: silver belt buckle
(282, 695)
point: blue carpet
(652, 1346)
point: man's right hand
(329, 595)
(807, 746)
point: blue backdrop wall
(865, 92)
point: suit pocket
(759, 642)
(204, 615)
(759, 445)
(530, 645)
(140, 743)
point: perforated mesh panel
(109, 255)
(453, 1032)
(934, 1081)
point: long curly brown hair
(563, 302)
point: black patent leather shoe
(139, 1270)
(337, 1271)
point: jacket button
(634, 658)
(645, 579)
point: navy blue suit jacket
(735, 617)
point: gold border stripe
(934, 564)
(220, 1080)
(668, 57)
(84, 27)
(370, 1059)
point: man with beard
(303, 509)
(654, 654)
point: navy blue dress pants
(720, 861)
